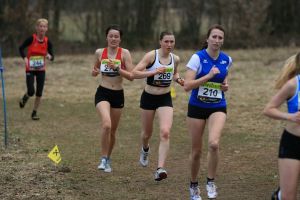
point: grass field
(248, 161)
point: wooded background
(79, 26)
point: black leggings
(40, 80)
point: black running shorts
(289, 146)
(114, 97)
(152, 102)
(203, 113)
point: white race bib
(164, 78)
(105, 70)
(210, 92)
(36, 62)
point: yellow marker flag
(54, 155)
(173, 92)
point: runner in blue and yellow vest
(39, 48)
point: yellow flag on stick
(173, 92)
(54, 155)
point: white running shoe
(211, 189)
(102, 164)
(160, 174)
(108, 168)
(195, 193)
(144, 160)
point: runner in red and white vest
(113, 63)
(39, 48)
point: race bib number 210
(210, 92)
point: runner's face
(167, 43)
(215, 39)
(113, 38)
(41, 28)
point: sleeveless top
(293, 104)
(107, 71)
(210, 95)
(162, 79)
(36, 54)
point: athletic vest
(162, 79)
(210, 95)
(107, 71)
(293, 104)
(36, 54)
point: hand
(224, 86)
(95, 71)
(48, 56)
(111, 64)
(180, 81)
(26, 61)
(160, 70)
(213, 71)
(294, 117)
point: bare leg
(216, 123)
(289, 171)
(37, 103)
(147, 126)
(196, 129)
(165, 115)
(103, 110)
(115, 116)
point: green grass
(248, 156)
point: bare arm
(272, 108)
(190, 81)
(126, 73)
(139, 71)
(176, 76)
(224, 85)
(96, 68)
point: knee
(196, 155)
(106, 127)
(30, 93)
(146, 136)
(165, 134)
(213, 146)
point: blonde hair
(41, 20)
(290, 69)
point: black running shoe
(23, 101)
(34, 116)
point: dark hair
(215, 26)
(114, 27)
(163, 33)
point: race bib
(210, 92)
(36, 62)
(164, 79)
(107, 71)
